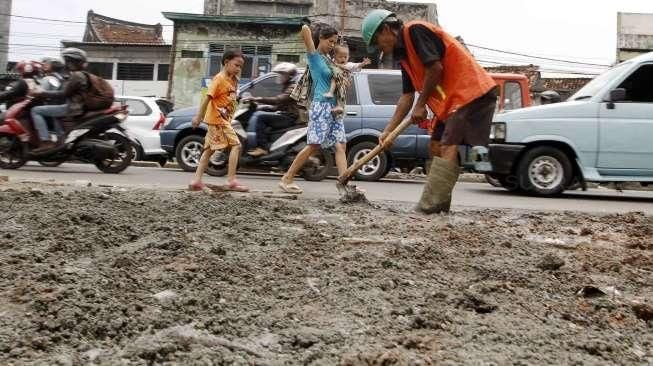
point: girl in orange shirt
(217, 110)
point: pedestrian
(217, 110)
(324, 129)
(460, 93)
(342, 75)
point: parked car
(371, 101)
(603, 133)
(143, 124)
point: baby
(343, 72)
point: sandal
(237, 187)
(291, 188)
(196, 187)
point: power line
(336, 16)
(535, 57)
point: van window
(385, 89)
(266, 88)
(512, 96)
(352, 98)
(638, 85)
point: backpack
(99, 94)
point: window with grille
(288, 58)
(135, 72)
(191, 54)
(293, 9)
(101, 69)
(257, 58)
(164, 70)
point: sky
(577, 30)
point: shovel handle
(343, 179)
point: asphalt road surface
(466, 195)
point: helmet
(371, 24)
(74, 54)
(28, 68)
(56, 63)
(285, 67)
(550, 96)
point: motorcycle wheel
(124, 158)
(12, 152)
(52, 163)
(319, 166)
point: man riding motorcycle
(75, 93)
(282, 113)
(19, 89)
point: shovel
(349, 193)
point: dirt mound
(108, 276)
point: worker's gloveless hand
(382, 139)
(419, 114)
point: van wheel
(375, 169)
(188, 152)
(544, 171)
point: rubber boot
(436, 197)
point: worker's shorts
(470, 125)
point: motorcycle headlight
(498, 132)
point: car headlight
(498, 132)
(167, 122)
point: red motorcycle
(96, 137)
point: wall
(5, 23)
(131, 54)
(188, 73)
(254, 7)
(356, 10)
(634, 35)
(137, 88)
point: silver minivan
(603, 133)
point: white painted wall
(139, 88)
(639, 24)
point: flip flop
(290, 188)
(196, 187)
(236, 187)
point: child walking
(342, 75)
(217, 110)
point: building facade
(199, 41)
(133, 57)
(5, 25)
(634, 35)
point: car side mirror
(617, 95)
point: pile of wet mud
(120, 276)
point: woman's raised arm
(308, 38)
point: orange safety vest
(463, 79)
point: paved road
(466, 195)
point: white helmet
(285, 67)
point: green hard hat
(371, 24)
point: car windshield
(595, 86)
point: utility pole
(5, 24)
(343, 14)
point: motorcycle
(96, 137)
(285, 145)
